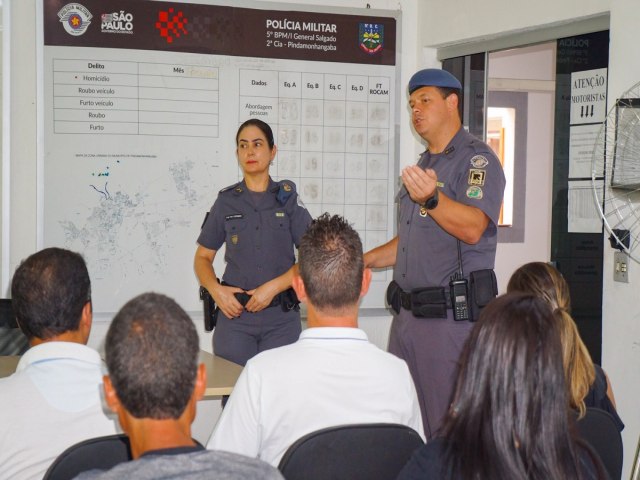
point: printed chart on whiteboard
(141, 102)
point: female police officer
(260, 221)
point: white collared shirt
(330, 376)
(52, 401)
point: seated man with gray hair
(153, 385)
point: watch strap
(432, 202)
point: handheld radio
(459, 292)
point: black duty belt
(288, 299)
(431, 302)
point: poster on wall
(588, 112)
(140, 105)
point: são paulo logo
(117, 22)
(371, 37)
(75, 18)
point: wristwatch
(432, 202)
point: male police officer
(449, 207)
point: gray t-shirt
(188, 464)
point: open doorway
(509, 101)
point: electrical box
(621, 267)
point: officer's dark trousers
(431, 347)
(243, 337)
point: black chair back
(12, 340)
(351, 452)
(599, 429)
(102, 453)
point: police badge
(371, 37)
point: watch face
(432, 202)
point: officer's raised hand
(421, 184)
(226, 301)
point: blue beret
(433, 77)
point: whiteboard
(140, 104)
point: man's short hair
(331, 263)
(152, 355)
(49, 290)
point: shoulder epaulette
(236, 187)
(286, 188)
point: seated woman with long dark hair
(588, 384)
(510, 417)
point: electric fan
(615, 172)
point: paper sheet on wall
(583, 214)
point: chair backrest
(351, 452)
(101, 453)
(599, 429)
(12, 340)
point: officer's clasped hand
(420, 184)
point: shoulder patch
(286, 188)
(474, 192)
(235, 187)
(479, 161)
(477, 176)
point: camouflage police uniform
(259, 230)
(427, 256)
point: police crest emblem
(234, 238)
(75, 18)
(371, 37)
(479, 161)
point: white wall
(446, 23)
(22, 230)
(621, 310)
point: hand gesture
(421, 184)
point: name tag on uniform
(235, 216)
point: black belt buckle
(243, 298)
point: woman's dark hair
(264, 128)
(510, 415)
